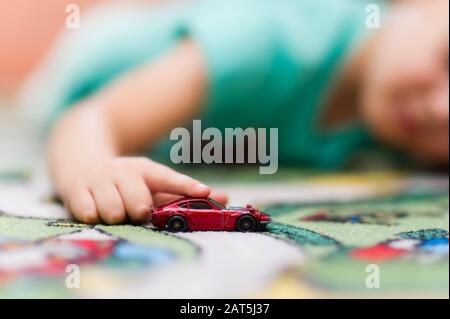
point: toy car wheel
(177, 224)
(246, 223)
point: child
(310, 68)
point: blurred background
(28, 28)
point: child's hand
(127, 188)
(127, 116)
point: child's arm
(87, 146)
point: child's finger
(162, 198)
(219, 196)
(136, 197)
(109, 203)
(82, 206)
(160, 178)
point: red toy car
(190, 214)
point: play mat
(363, 235)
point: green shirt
(270, 63)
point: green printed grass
(33, 229)
(29, 229)
(158, 239)
(429, 213)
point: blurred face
(405, 97)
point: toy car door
(204, 216)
